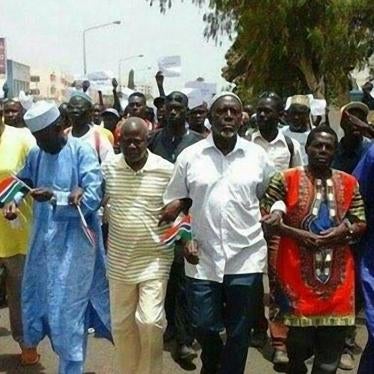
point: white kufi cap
(223, 94)
(41, 115)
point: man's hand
(114, 83)
(41, 194)
(159, 78)
(10, 211)
(364, 128)
(333, 236)
(271, 222)
(191, 252)
(76, 196)
(170, 212)
(308, 239)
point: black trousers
(230, 305)
(325, 342)
(176, 308)
(359, 304)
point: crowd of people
(270, 191)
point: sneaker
(29, 356)
(280, 357)
(347, 361)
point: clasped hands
(274, 225)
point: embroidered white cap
(41, 115)
(223, 94)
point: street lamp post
(84, 40)
(120, 62)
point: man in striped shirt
(138, 262)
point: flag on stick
(87, 231)
(181, 230)
(9, 187)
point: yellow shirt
(106, 133)
(15, 145)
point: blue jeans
(230, 305)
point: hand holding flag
(181, 230)
(9, 187)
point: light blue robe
(65, 289)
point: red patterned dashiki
(314, 288)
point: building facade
(50, 85)
(18, 78)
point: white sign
(208, 90)
(195, 98)
(170, 66)
(101, 81)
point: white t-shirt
(98, 142)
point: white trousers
(138, 323)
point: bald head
(134, 124)
(133, 141)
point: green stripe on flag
(10, 193)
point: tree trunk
(316, 84)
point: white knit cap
(41, 115)
(222, 94)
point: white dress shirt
(225, 192)
(278, 151)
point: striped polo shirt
(135, 251)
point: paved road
(100, 356)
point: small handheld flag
(181, 230)
(87, 231)
(9, 187)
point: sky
(47, 34)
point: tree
(292, 45)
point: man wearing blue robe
(364, 173)
(65, 289)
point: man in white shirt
(283, 151)
(224, 176)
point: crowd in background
(268, 189)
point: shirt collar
(239, 146)
(279, 138)
(149, 164)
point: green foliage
(291, 46)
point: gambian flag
(181, 230)
(9, 187)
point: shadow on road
(4, 331)
(9, 364)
